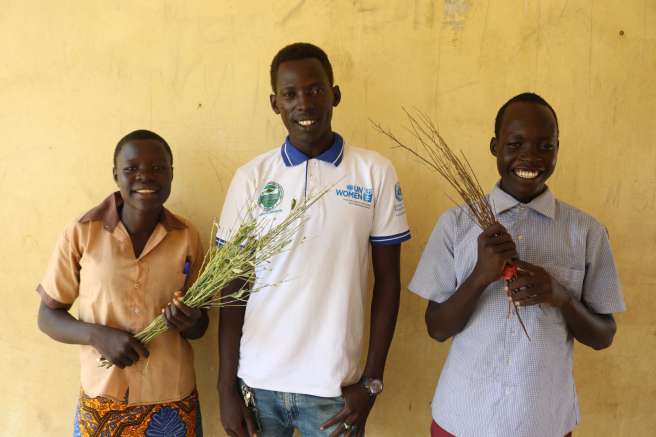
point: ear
(337, 95)
(274, 103)
(115, 175)
(493, 146)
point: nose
(143, 173)
(529, 152)
(304, 101)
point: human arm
(495, 250)
(59, 288)
(384, 310)
(235, 417)
(190, 322)
(119, 347)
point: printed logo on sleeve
(399, 207)
(271, 195)
(398, 193)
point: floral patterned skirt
(102, 417)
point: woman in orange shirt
(125, 262)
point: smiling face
(526, 149)
(143, 173)
(305, 99)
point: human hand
(352, 418)
(179, 316)
(117, 347)
(496, 249)
(236, 419)
(533, 286)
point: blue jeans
(281, 412)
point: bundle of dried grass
(248, 250)
(434, 152)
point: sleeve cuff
(49, 301)
(390, 239)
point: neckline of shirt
(544, 204)
(292, 156)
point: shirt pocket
(162, 288)
(568, 278)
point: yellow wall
(77, 75)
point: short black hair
(523, 97)
(142, 134)
(296, 51)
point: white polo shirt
(305, 334)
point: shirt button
(509, 361)
(508, 390)
(136, 285)
(520, 237)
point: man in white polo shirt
(295, 348)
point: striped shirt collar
(291, 156)
(544, 204)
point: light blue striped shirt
(494, 381)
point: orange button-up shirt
(94, 263)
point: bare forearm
(591, 329)
(60, 325)
(384, 311)
(444, 320)
(384, 306)
(231, 322)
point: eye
(288, 94)
(514, 145)
(315, 91)
(130, 169)
(547, 147)
(157, 168)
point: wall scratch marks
(293, 11)
(590, 79)
(455, 13)
(483, 33)
(458, 87)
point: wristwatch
(373, 385)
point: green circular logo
(271, 195)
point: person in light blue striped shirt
(496, 381)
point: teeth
(306, 122)
(527, 174)
(145, 191)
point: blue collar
(291, 156)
